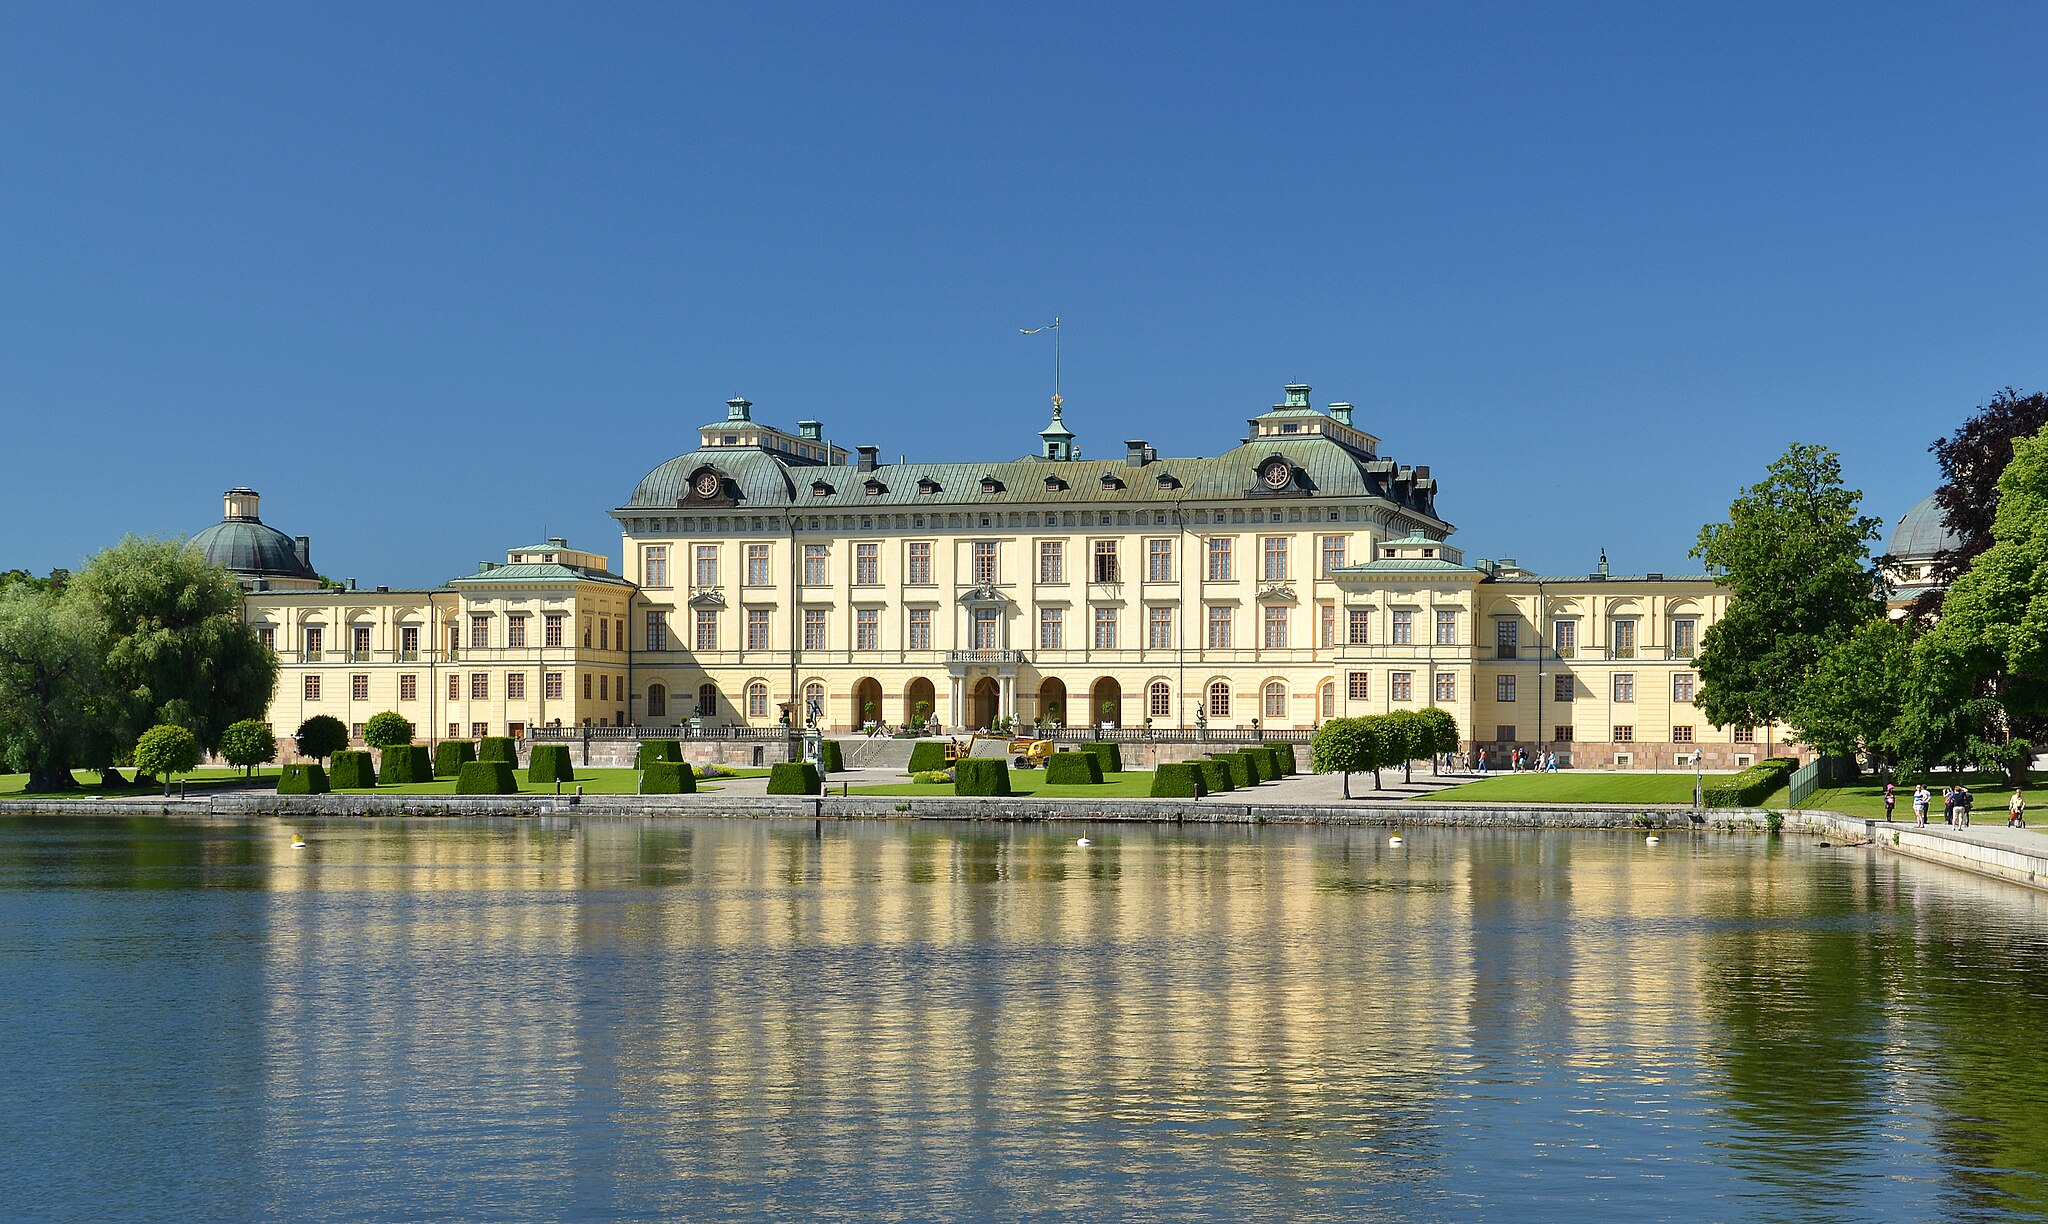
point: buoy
(1083, 842)
(298, 843)
(1394, 841)
(1651, 840)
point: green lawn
(1866, 798)
(88, 783)
(1569, 788)
(593, 782)
(1134, 784)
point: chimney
(1508, 563)
(739, 408)
(1422, 471)
(483, 567)
(867, 457)
(1341, 412)
(557, 542)
(303, 545)
(1136, 453)
(810, 431)
(351, 583)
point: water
(891, 1021)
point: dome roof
(242, 543)
(1921, 532)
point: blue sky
(436, 278)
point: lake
(688, 1019)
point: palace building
(1296, 576)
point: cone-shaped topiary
(1178, 780)
(486, 778)
(1073, 769)
(306, 779)
(353, 770)
(668, 778)
(405, 763)
(498, 748)
(550, 763)
(451, 755)
(794, 778)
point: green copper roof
(1405, 565)
(539, 572)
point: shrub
(829, 760)
(927, 756)
(1110, 755)
(713, 771)
(498, 748)
(1073, 769)
(248, 743)
(658, 750)
(1258, 764)
(387, 730)
(353, 770)
(451, 755)
(933, 775)
(405, 763)
(321, 736)
(981, 776)
(167, 749)
(1753, 785)
(1283, 756)
(1216, 776)
(550, 763)
(1240, 768)
(304, 779)
(795, 778)
(486, 778)
(667, 778)
(1181, 780)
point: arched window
(707, 699)
(657, 701)
(1328, 697)
(1159, 699)
(1276, 700)
(814, 699)
(1219, 699)
(757, 700)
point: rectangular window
(515, 630)
(1561, 733)
(267, 634)
(984, 562)
(654, 565)
(705, 571)
(1219, 559)
(1360, 686)
(359, 644)
(1276, 701)
(551, 686)
(1624, 734)
(1623, 635)
(454, 687)
(1404, 627)
(1273, 558)
(1624, 686)
(515, 686)
(757, 566)
(1566, 688)
(315, 637)
(814, 564)
(1503, 688)
(1334, 550)
(586, 686)
(707, 629)
(1745, 735)
(1159, 701)
(1357, 626)
(1052, 561)
(867, 629)
(982, 628)
(454, 638)
(1565, 634)
(478, 730)
(1275, 628)
(1326, 626)
(1684, 638)
(1507, 639)
(1400, 686)
(757, 701)
(1504, 733)
(551, 629)
(920, 628)
(1159, 560)
(454, 730)
(1052, 629)
(867, 565)
(1447, 628)
(1105, 628)
(918, 570)
(359, 686)
(479, 632)
(1682, 685)
(408, 643)
(312, 688)
(604, 634)
(1159, 628)
(757, 628)
(604, 688)
(1447, 686)
(1105, 561)
(1681, 734)
(409, 687)
(479, 686)
(814, 628)
(1219, 628)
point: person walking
(1920, 799)
(1891, 800)
(1963, 801)
(2016, 810)
(1948, 806)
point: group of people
(1956, 802)
(1520, 760)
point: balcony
(1005, 657)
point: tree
(1443, 733)
(49, 666)
(1346, 746)
(1796, 555)
(167, 749)
(176, 649)
(1972, 459)
(321, 736)
(1857, 690)
(248, 743)
(1407, 735)
(387, 730)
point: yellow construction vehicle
(1030, 753)
(956, 751)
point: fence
(1817, 773)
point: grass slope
(593, 782)
(1130, 785)
(1568, 788)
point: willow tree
(49, 680)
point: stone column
(1009, 696)
(955, 716)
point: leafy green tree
(387, 730)
(1408, 736)
(248, 743)
(321, 736)
(1443, 733)
(1796, 557)
(1857, 690)
(176, 648)
(1972, 459)
(1346, 746)
(49, 668)
(167, 750)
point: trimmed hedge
(451, 755)
(550, 763)
(498, 748)
(1240, 768)
(1261, 764)
(1283, 756)
(1073, 769)
(1179, 780)
(1753, 785)
(829, 760)
(307, 779)
(668, 778)
(486, 778)
(405, 763)
(1111, 756)
(1216, 775)
(658, 750)
(353, 770)
(928, 756)
(981, 776)
(795, 778)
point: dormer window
(990, 484)
(1054, 484)
(1111, 482)
(820, 489)
(874, 488)
(926, 484)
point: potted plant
(1108, 714)
(924, 714)
(867, 711)
(1052, 715)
